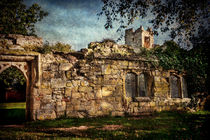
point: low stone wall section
(93, 87)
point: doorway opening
(12, 96)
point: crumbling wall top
(19, 42)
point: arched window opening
(175, 87)
(142, 85)
(149, 84)
(139, 85)
(184, 87)
(131, 85)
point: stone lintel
(16, 58)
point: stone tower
(139, 38)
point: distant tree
(16, 18)
(12, 78)
(184, 19)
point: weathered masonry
(105, 79)
(139, 38)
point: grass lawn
(12, 113)
(16, 105)
(163, 125)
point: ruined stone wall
(94, 85)
(19, 42)
(92, 82)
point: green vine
(193, 62)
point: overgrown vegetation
(185, 20)
(194, 63)
(57, 47)
(163, 125)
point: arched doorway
(13, 85)
(30, 66)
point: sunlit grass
(16, 105)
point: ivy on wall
(193, 62)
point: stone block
(27, 40)
(85, 89)
(106, 106)
(47, 75)
(58, 83)
(106, 91)
(46, 91)
(111, 81)
(106, 69)
(144, 104)
(60, 106)
(69, 84)
(65, 66)
(75, 83)
(47, 106)
(84, 83)
(67, 91)
(116, 113)
(110, 99)
(118, 99)
(135, 109)
(45, 66)
(90, 96)
(124, 63)
(54, 67)
(68, 74)
(76, 95)
(133, 104)
(152, 104)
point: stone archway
(29, 65)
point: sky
(75, 22)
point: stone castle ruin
(139, 38)
(104, 79)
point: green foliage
(12, 77)
(57, 47)
(16, 18)
(193, 62)
(184, 19)
(171, 56)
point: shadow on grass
(164, 125)
(12, 116)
